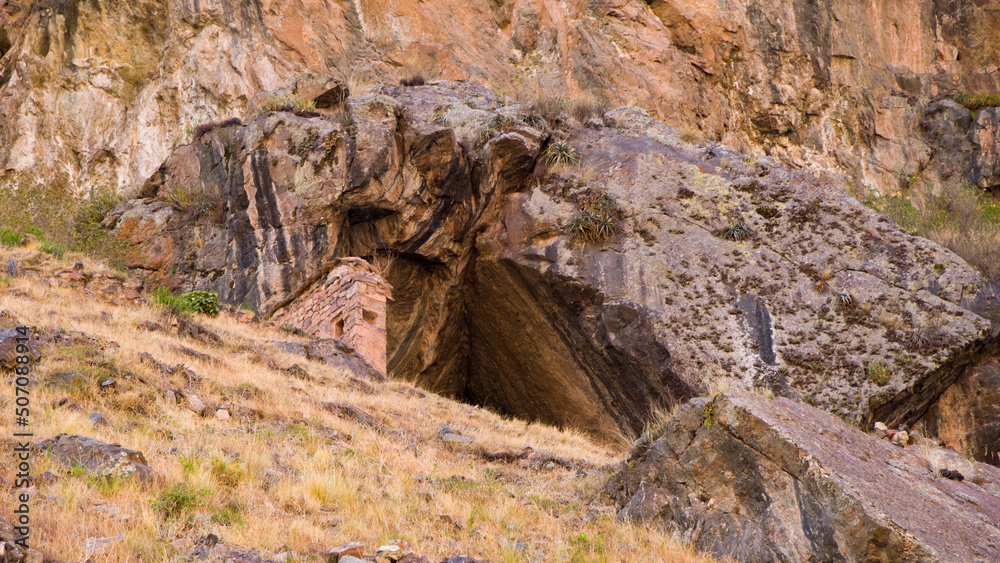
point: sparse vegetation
(586, 109)
(974, 102)
(439, 118)
(192, 302)
(561, 152)
(192, 200)
(690, 136)
(963, 218)
(285, 102)
(283, 462)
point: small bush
(534, 118)
(10, 238)
(415, 80)
(230, 515)
(561, 152)
(587, 109)
(54, 249)
(90, 236)
(228, 473)
(690, 136)
(878, 372)
(178, 499)
(206, 302)
(550, 109)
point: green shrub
(231, 515)
(178, 499)
(878, 372)
(10, 238)
(54, 249)
(90, 236)
(60, 219)
(206, 302)
(228, 473)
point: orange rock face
(829, 85)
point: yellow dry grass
(293, 476)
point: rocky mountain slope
(594, 215)
(100, 93)
(715, 264)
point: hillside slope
(309, 458)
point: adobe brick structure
(349, 305)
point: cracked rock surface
(763, 479)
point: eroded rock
(764, 479)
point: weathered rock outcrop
(763, 479)
(95, 456)
(719, 264)
(102, 91)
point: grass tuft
(973, 102)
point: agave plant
(582, 227)
(738, 231)
(845, 300)
(561, 152)
(535, 120)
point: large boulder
(99, 458)
(10, 339)
(713, 263)
(762, 479)
(335, 353)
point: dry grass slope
(290, 472)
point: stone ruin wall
(350, 305)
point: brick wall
(349, 305)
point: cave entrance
(530, 346)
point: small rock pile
(900, 437)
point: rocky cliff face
(102, 92)
(719, 264)
(760, 479)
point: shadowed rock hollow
(819, 298)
